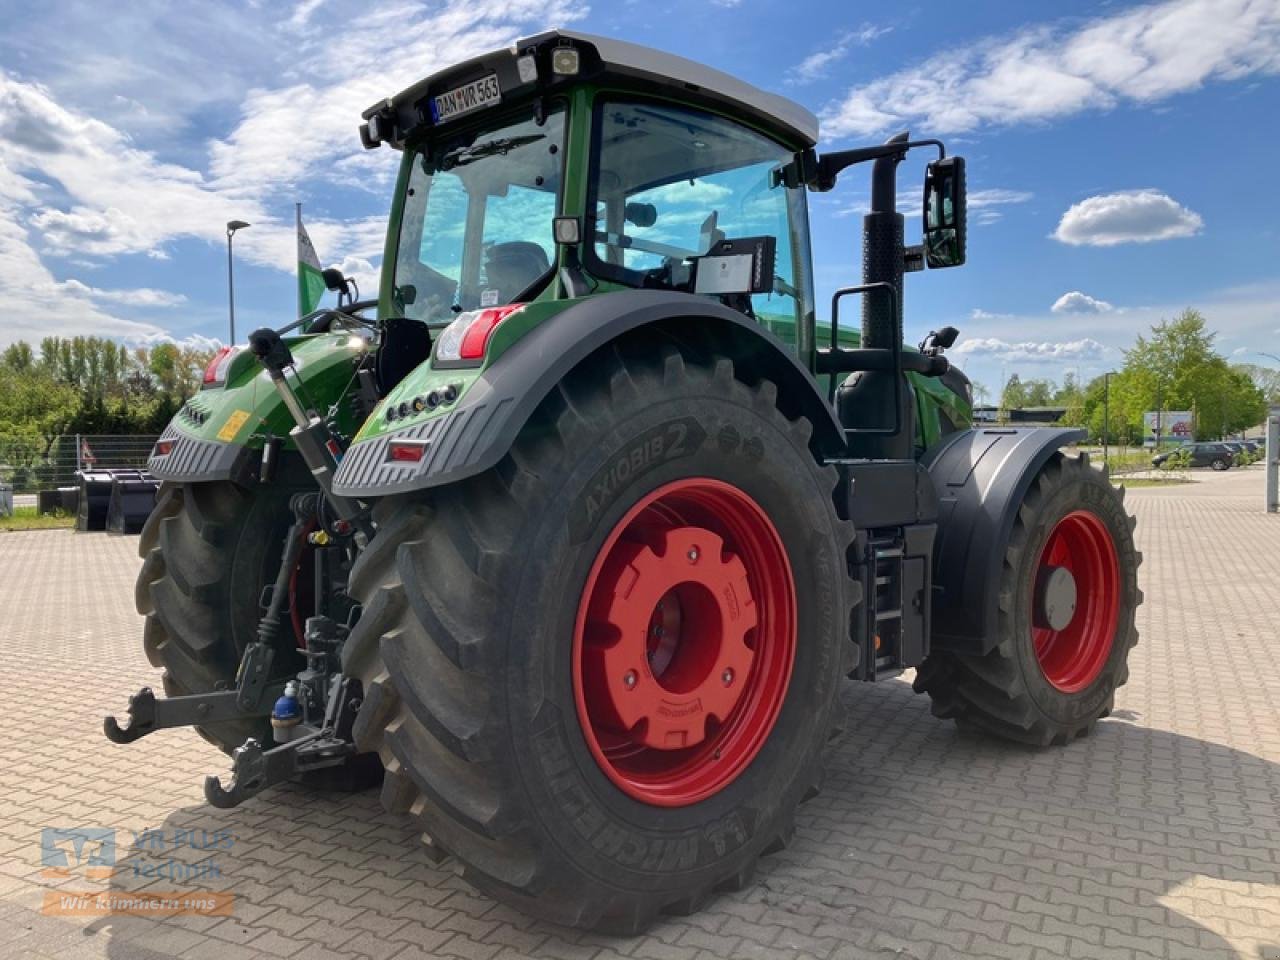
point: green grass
(1150, 481)
(26, 518)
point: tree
(1014, 395)
(93, 385)
(1265, 379)
(1175, 367)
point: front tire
(1068, 596)
(486, 647)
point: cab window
(476, 226)
(671, 182)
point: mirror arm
(821, 175)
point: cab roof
(602, 60)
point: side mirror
(334, 280)
(946, 337)
(944, 213)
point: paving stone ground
(1157, 837)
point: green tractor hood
(218, 433)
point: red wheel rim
(1072, 656)
(684, 642)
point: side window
(672, 182)
(517, 243)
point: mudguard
(981, 477)
(475, 434)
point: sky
(1120, 156)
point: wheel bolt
(727, 676)
(629, 679)
(693, 554)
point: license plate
(473, 96)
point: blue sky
(1120, 155)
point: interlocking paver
(1159, 836)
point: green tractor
(575, 537)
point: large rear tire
(208, 550)
(487, 648)
(1067, 601)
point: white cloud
(1077, 302)
(996, 197)
(1142, 55)
(1132, 216)
(979, 314)
(1084, 350)
(79, 188)
(815, 66)
(137, 297)
(910, 203)
(193, 341)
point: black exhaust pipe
(874, 396)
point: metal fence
(32, 463)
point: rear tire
(466, 647)
(208, 550)
(1039, 685)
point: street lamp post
(1106, 416)
(232, 227)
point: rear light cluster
(163, 448)
(467, 337)
(215, 374)
(427, 401)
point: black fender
(477, 433)
(981, 477)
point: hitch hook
(142, 719)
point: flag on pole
(310, 282)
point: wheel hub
(1055, 598)
(684, 642)
(679, 610)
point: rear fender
(981, 477)
(474, 435)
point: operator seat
(512, 267)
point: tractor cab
(564, 167)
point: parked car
(1247, 451)
(1216, 455)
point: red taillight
(402, 451)
(163, 448)
(476, 340)
(215, 374)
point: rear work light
(467, 337)
(215, 374)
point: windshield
(476, 227)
